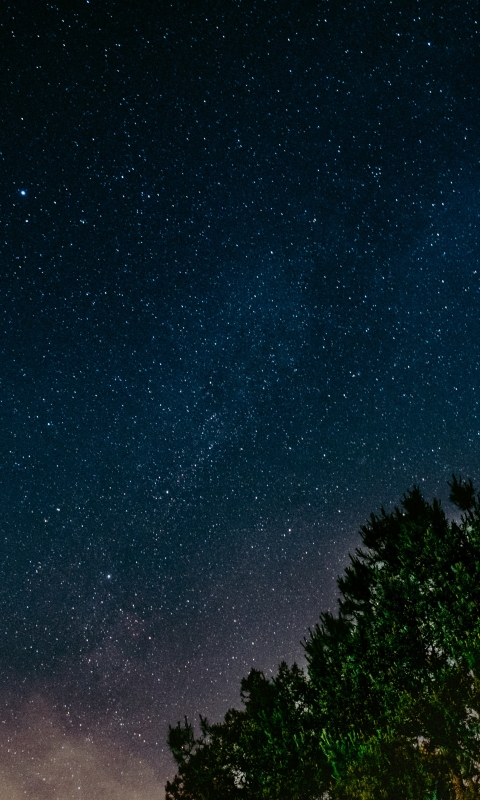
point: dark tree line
(389, 704)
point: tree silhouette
(389, 704)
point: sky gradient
(239, 311)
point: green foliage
(389, 705)
(269, 750)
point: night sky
(239, 311)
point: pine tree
(389, 705)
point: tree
(268, 750)
(397, 672)
(389, 705)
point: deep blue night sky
(239, 311)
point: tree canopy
(389, 704)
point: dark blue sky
(239, 311)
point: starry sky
(239, 311)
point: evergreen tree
(389, 705)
